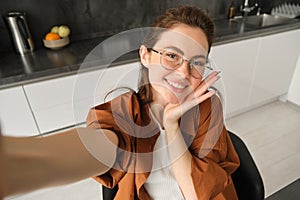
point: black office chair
(246, 179)
(108, 193)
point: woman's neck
(157, 106)
(157, 111)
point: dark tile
(290, 192)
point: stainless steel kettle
(17, 24)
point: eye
(172, 56)
(199, 63)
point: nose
(184, 69)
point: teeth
(176, 85)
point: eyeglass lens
(172, 60)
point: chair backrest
(108, 193)
(246, 179)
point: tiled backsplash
(92, 18)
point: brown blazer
(214, 157)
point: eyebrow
(181, 52)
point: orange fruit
(52, 36)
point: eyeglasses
(171, 59)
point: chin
(173, 98)
(164, 95)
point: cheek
(157, 73)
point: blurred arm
(27, 164)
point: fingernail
(211, 90)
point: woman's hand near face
(180, 157)
(173, 112)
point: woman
(167, 140)
(172, 142)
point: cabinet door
(275, 66)
(51, 102)
(294, 89)
(15, 115)
(62, 102)
(236, 62)
(92, 88)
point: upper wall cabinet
(62, 102)
(16, 117)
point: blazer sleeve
(214, 158)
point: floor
(291, 192)
(272, 134)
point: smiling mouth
(176, 85)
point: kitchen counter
(45, 64)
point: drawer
(15, 115)
(65, 101)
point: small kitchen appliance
(18, 27)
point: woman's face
(172, 86)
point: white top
(162, 184)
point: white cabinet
(294, 90)
(62, 102)
(253, 71)
(236, 62)
(256, 71)
(51, 102)
(15, 115)
(277, 58)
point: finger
(205, 96)
(205, 85)
(195, 101)
(211, 78)
(194, 97)
(214, 73)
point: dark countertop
(83, 55)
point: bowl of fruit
(57, 38)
